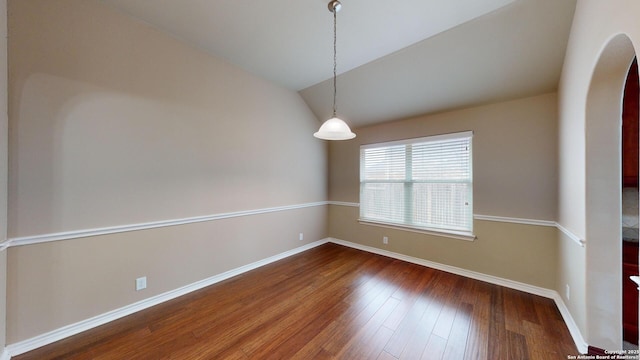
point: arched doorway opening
(603, 124)
(630, 220)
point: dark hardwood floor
(333, 302)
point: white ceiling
(410, 58)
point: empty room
(420, 179)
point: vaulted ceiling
(395, 58)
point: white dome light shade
(334, 129)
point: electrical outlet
(301, 236)
(568, 292)
(141, 283)
(385, 240)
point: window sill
(460, 235)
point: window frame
(464, 234)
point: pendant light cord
(335, 89)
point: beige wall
(600, 49)
(514, 165)
(524, 253)
(114, 123)
(571, 271)
(4, 147)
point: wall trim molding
(531, 289)
(513, 220)
(503, 219)
(50, 337)
(344, 203)
(67, 235)
(75, 234)
(570, 235)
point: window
(424, 184)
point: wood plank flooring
(333, 302)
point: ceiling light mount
(334, 128)
(335, 6)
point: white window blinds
(424, 183)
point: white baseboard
(5, 355)
(73, 329)
(581, 344)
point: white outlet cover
(141, 283)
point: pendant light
(334, 128)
